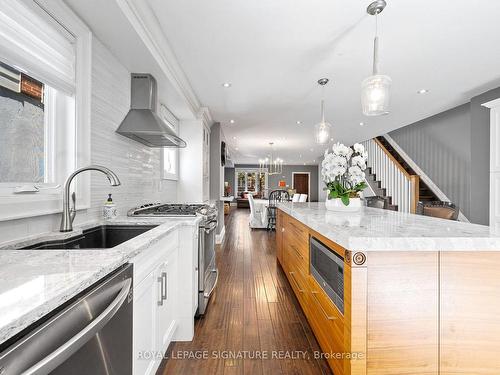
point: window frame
(49, 201)
(250, 170)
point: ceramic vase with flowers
(342, 171)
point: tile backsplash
(137, 166)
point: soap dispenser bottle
(109, 210)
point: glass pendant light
(322, 129)
(375, 90)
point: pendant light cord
(375, 47)
(323, 104)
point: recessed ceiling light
(422, 91)
(361, 124)
(300, 156)
(236, 148)
(331, 139)
(231, 121)
(314, 160)
(299, 122)
(234, 137)
(227, 85)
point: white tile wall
(137, 166)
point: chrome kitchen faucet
(68, 215)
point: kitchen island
(419, 295)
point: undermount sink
(101, 237)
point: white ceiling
(273, 52)
(109, 24)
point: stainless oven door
(208, 273)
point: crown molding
(145, 23)
(205, 115)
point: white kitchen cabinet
(165, 296)
(145, 299)
(155, 299)
(194, 162)
(165, 315)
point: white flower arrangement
(342, 171)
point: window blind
(33, 42)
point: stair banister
(400, 185)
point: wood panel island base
(421, 296)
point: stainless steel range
(208, 273)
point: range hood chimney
(141, 123)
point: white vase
(337, 205)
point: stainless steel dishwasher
(91, 335)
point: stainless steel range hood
(141, 123)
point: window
(31, 114)
(250, 180)
(44, 106)
(170, 156)
(170, 163)
(22, 127)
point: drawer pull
(297, 251)
(329, 317)
(295, 281)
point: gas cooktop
(172, 209)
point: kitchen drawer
(298, 281)
(298, 245)
(295, 257)
(325, 304)
(327, 323)
(296, 229)
(150, 258)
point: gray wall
(453, 149)
(216, 171)
(287, 176)
(440, 145)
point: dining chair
(376, 202)
(303, 198)
(442, 210)
(275, 197)
(257, 218)
(296, 197)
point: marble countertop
(373, 229)
(35, 282)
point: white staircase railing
(401, 186)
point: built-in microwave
(327, 267)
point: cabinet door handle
(329, 317)
(160, 280)
(295, 281)
(297, 251)
(165, 290)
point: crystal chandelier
(322, 129)
(375, 90)
(271, 165)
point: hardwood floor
(253, 311)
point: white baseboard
(220, 237)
